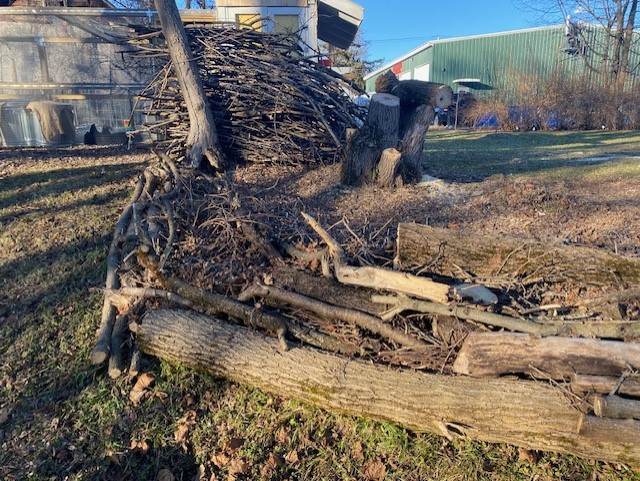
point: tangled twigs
(215, 303)
(270, 104)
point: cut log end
(100, 354)
(387, 100)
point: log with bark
(491, 354)
(487, 256)
(528, 414)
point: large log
(528, 414)
(490, 354)
(379, 132)
(415, 92)
(486, 256)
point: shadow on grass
(24, 188)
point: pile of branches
(270, 104)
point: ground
(60, 418)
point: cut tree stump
(486, 256)
(528, 414)
(492, 354)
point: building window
(286, 23)
(249, 21)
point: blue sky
(398, 26)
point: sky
(395, 27)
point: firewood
(488, 255)
(605, 385)
(491, 354)
(524, 413)
(387, 168)
(609, 330)
(616, 407)
(100, 352)
(598, 430)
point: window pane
(286, 23)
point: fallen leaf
(527, 455)
(273, 462)
(292, 457)
(139, 446)
(357, 451)
(374, 470)
(165, 475)
(282, 435)
(220, 459)
(139, 388)
(238, 466)
(233, 445)
(189, 419)
(201, 473)
(5, 414)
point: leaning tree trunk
(202, 140)
(525, 413)
(412, 138)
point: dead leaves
(5, 414)
(184, 423)
(165, 475)
(139, 390)
(374, 470)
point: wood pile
(497, 339)
(270, 104)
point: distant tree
(610, 52)
(355, 59)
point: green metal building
(485, 62)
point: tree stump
(365, 146)
(413, 133)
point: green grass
(467, 156)
(69, 421)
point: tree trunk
(202, 140)
(486, 256)
(490, 354)
(616, 407)
(413, 130)
(528, 414)
(379, 132)
(418, 92)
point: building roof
(454, 39)
(339, 21)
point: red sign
(397, 68)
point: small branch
(358, 318)
(610, 330)
(115, 361)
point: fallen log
(492, 354)
(582, 383)
(528, 414)
(487, 256)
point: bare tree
(202, 140)
(602, 31)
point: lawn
(476, 155)
(61, 418)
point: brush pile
(270, 104)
